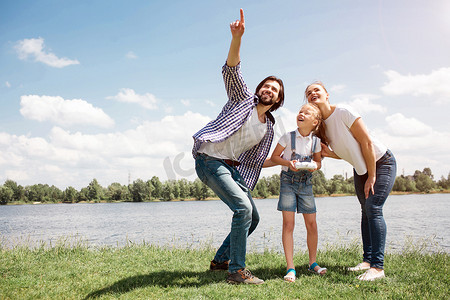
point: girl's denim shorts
(296, 193)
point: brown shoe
(244, 276)
(216, 266)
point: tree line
(155, 190)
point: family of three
(231, 150)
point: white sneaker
(359, 267)
(371, 275)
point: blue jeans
(228, 184)
(373, 226)
(296, 192)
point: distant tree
(6, 195)
(83, 195)
(200, 190)
(274, 185)
(18, 190)
(70, 195)
(157, 191)
(151, 190)
(427, 171)
(444, 183)
(117, 192)
(54, 194)
(35, 193)
(335, 185)
(349, 186)
(404, 184)
(139, 191)
(424, 183)
(168, 190)
(261, 189)
(319, 183)
(184, 188)
(95, 190)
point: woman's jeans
(228, 184)
(373, 226)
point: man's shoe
(216, 266)
(243, 276)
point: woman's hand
(327, 152)
(368, 186)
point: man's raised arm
(237, 30)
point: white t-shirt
(249, 135)
(342, 141)
(303, 145)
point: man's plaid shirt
(233, 115)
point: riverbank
(149, 272)
(216, 198)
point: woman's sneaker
(359, 267)
(243, 276)
(216, 266)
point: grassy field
(142, 271)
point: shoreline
(396, 193)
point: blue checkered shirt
(233, 115)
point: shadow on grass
(184, 279)
(162, 279)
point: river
(419, 220)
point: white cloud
(435, 84)
(7, 84)
(127, 95)
(67, 158)
(185, 102)
(399, 125)
(417, 147)
(210, 103)
(35, 48)
(338, 88)
(63, 112)
(363, 104)
(131, 55)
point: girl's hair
(319, 131)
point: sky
(114, 90)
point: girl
(298, 152)
(374, 169)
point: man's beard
(266, 100)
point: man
(229, 153)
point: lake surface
(411, 220)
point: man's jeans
(373, 226)
(228, 184)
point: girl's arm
(278, 160)
(359, 131)
(269, 163)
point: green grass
(77, 271)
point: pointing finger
(242, 15)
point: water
(411, 219)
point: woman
(374, 169)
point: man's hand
(238, 27)
(237, 30)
